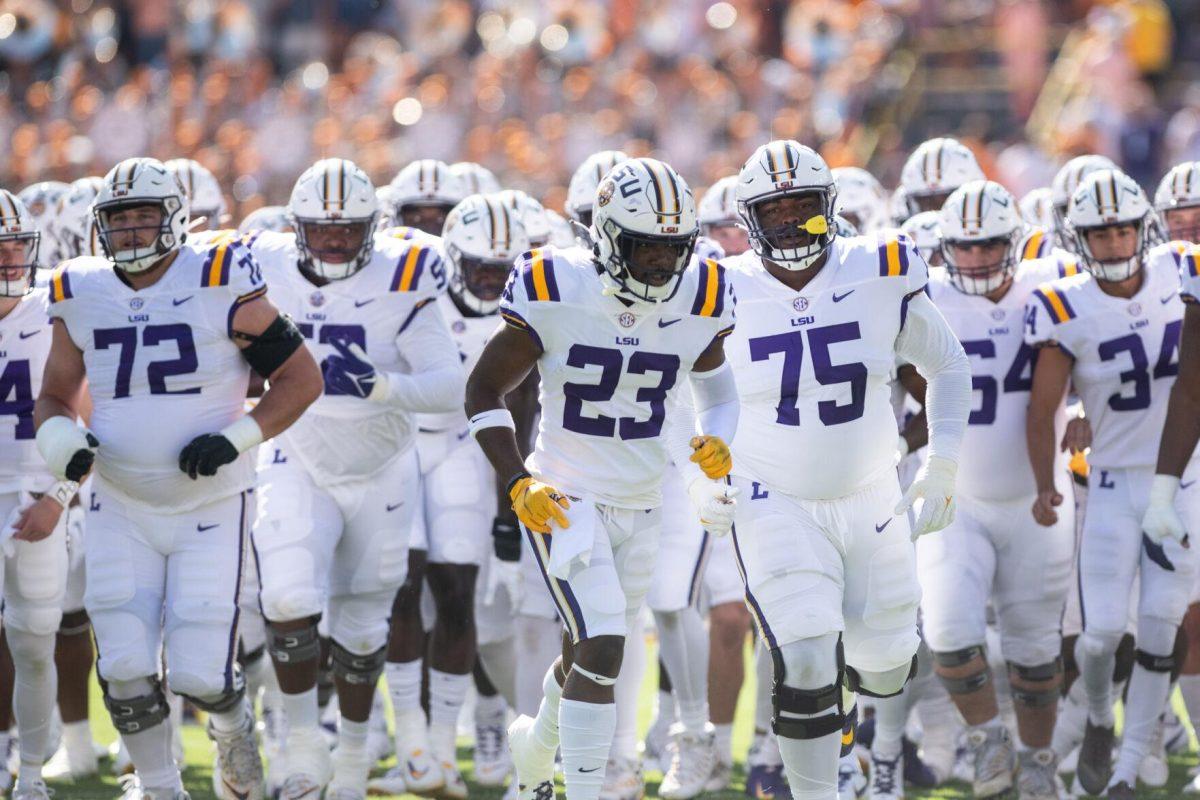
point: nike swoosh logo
(178, 302)
(837, 298)
(235, 792)
(416, 773)
(879, 528)
(665, 323)
(1167, 299)
(391, 507)
(1186, 485)
(203, 528)
(361, 303)
(593, 769)
(27, 334)
(463, 435)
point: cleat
(390, 783)
(299, 787)
(237, 770)
(122, 764)
(532, 764)
(1094, 769)
(1120, 791)
(1037, 775)
(1154, 770)
(852, 783)
(654, 747)
(33, 790)
(721, 777)
(308, 768)
(692, 761)
(764, 777)
(131, 789)
(344, 793)
(916, 771)
(887, 778)
(493, 764)
(453, 785)
(994, 758)
(623, 779)
(68, 765)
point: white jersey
(25, 336)
(814, 367)
(470, 333)
(343, 437)
(161, 368)
(1038, 244)
(1125, 351)
(994, 465)
(609, 371)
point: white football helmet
(425, 184)
(935, 169)
(267, 218)
(897, 207)
(475, 178)
(786, 168)
(41, 200)
(69, 226)
(482, 238)
(19, 241)
(206, 204)
(707, 249)
(844, 227)
(1037, 208)
(1062, 189)
(334, 192)
(861, 199)
(1179, 189)
(922, 230)
(718, 205)
(641, 207)
(561, 232)
(531, 213)
(1105, 198)
(581, 191)
(983, 214)
(141, 182)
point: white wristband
(492, 418)
(62, 492)
(243, 434)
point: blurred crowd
(258, 89)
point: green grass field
(198, 775)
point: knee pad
(362, 670)
(965, 684)
(1096, 644)
(220, 703)
(294, 647)
(1125, 652)
(31, 650)
(136, 714)
(74, 623)
(1040, 673)
(205, 687)
(594, 677)
(881, 684)
(1154, 663)
(810, 702)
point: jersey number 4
(791, 345)
(611, 363)
(16, 396)
(1019, 378)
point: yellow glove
(536, 503)
(713, 456)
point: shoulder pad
(411, 267)
(536, 269)
(710, 292)
(1056, 303)
(893, 255)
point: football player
(609, 331)
(922, 230)
(717, 214)
(423, 193)
(166, 335)
(458, 511)
(1062, 189)
(1037, 208)
(861, 199)
(267, 218)
(935, 169)
(1113, 333)
(338, 491)
(581, 191)
(69, 231)
(1177, 201)
(994, 551)
(41, 200)
(206, 204)
(475, 178)
(32, 504)
(820, 530)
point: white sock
(545, 725)
(150, 750)
(229, 721)
(34, 694)
(1145, 699)
(352, 736)
(724, 742)
(490, 709)
(627, 692)
(1189, 687)
(350, 763)
(404, 689)
(586, 732)
(683, 644)
(812, 765)
(1095, 673)
(891, 717)
(447, 692)
(77, 736)
(302, 713)
(539, 641)
(666, 714)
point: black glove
(506, 539)
(82, 461)
(205, 454)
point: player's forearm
(500, 446)
(1181, 430)
(1041, 444)
(293, 388)
(49, 405)
(916, 432)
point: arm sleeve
(927, 342)
(715, 397)
(681, 427)
(437, 382)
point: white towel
(573, 545)
(8, 545)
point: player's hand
(506, 539)
(712, 455)
(537, 504)
(1078, 435)
(350, 372)
(715, 503)
(1044, 505)
(37, 521)
(68, 449)
(1161, 520)
(205, 454)
(504, 575)
(935, 485)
